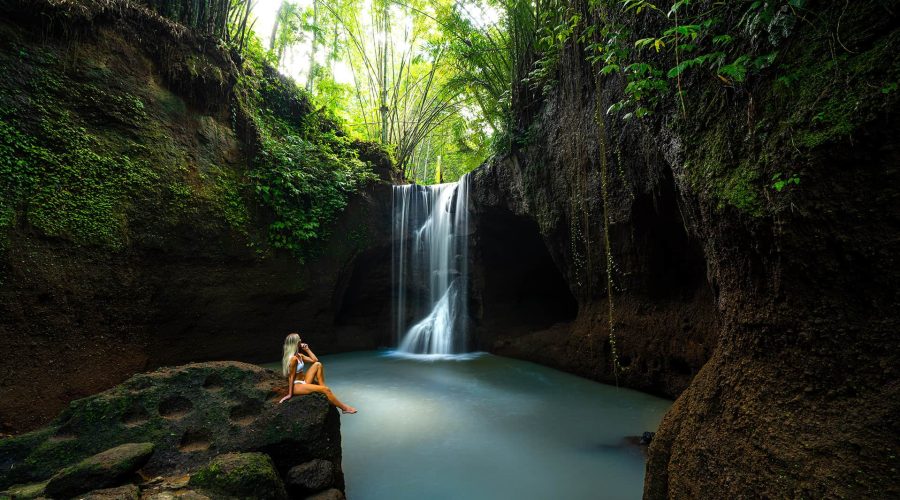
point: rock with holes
(109, 468)
(311, 476)
(192, 414)
(243, 475)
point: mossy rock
(100, 471)
(243, 475)
(25, 491)
(126, 492)
(191, 414)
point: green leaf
(676, 6)
(722, 40)
(737, 70)
(643, 42)
(609, 69)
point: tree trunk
(275, 26)
(315, 46)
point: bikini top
(299, 363)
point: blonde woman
(298, 356)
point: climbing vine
(604, 192)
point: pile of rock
(206, 430)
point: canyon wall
(773, 310)
(151, 250)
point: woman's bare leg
(301, 389)
(315, 372)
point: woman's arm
(310, 356)
(292, 368)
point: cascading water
(431, 225)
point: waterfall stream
(430, 266)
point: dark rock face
(311, 477)
(777, 312)
(184, 284)
(192, 414)
(99, 471)
(539, 284)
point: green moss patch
(89, 148)
(244, 475)
(818, 96)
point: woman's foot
(351, 410)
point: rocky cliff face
(159, 253)
(778, 308)
(541, 258)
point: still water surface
(480, 426)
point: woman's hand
(304, 346)
(284, 399)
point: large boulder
(125, 492)
(313, 476)
(100, 471)
(25, 491)
(243, 475)
(191, 414)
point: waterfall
(430, 267)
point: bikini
(299, 370)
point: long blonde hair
(290, 348)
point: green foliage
(63, 179)
(85, 152)
(209, 16)
(691, 39)
(557, 22)
(779, 182)
(832, 97)
(67, 182)
(307, 184)
(86, 149)
(306, 167)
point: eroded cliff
(132, 233)
(771, 304)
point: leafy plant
(306, 167)
(691, 40)
(779, 182)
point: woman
(292, 365)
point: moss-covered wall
(772, 195)
(140, 223)
(90, 146)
